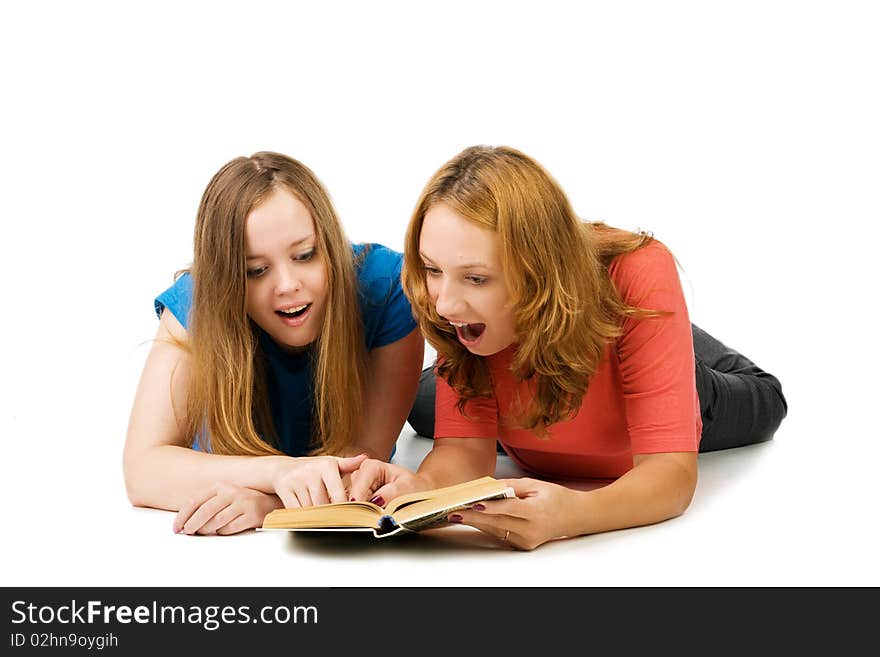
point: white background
(743, 135)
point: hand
(312, 480)
(224, 509)
(536, 515)
(380, 482)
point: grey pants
(740, 403)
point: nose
(448, 301)
(287, 280)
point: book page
(342, 514)
(433, 513)
(421, 496)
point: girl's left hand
(539, 513)
(225, 509)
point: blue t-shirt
(387, 318)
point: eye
(304, 257)
(476, 280)
(256, 272)
(431, 271)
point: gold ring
(506, 534)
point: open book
(411, 512)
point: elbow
(681, 506)
(132, 490)
(684, 493)
(133, 477)
(670, 482)
(135, 498)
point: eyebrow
(467, 265)
(292, 244)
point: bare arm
(159, 470)
(659, 487)
(393, 378)
(456, 460)
(451, 461)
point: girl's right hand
(381, 482)
(312, 480)
(224, 509)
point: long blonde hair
(566, 308)
(227, 400)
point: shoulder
(378, 272)
(654, 254)
(376, 261)
(385, 309)
(643, 270)
(177, 299)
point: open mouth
(296, 311)
(469, 333)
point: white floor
(764, 515)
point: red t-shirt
(641, 400)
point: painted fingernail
(351, 499)
(480, 507)
(379, 500)
(454, 518)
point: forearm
(369, 450)
(166, 476)
(391, 390)
(449, 464)
(651, 492)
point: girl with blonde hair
(284, 357)
(569, 344)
